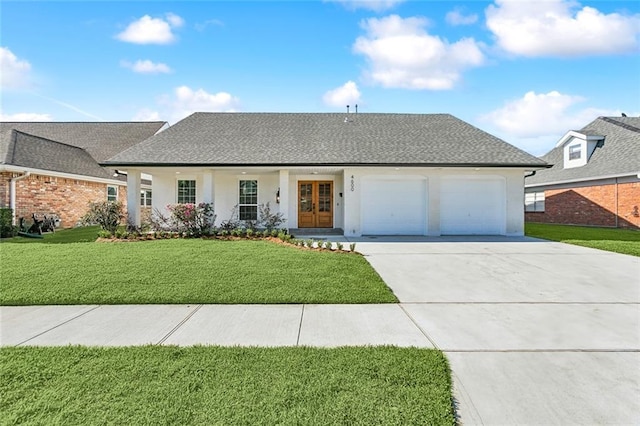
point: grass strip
(624, 241)
(216, 385)
(184, 271)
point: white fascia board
(42, 172)
(560, 182)
(574, 134)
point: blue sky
(526, 71)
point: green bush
(6, 227)
(107, 214)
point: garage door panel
(471, 206)
(394, 206)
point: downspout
(616, 202)
(533, 173)
(12, 195)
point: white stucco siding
(221, 186)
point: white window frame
(112, 198)
(241, 204)
(575, 152)
(146, 197)
(194, 196)
(534, 202)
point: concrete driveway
(536, 332)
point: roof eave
(124, 164)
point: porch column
(133, 196)
(284, 197)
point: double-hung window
(534, 202)
(112, 193)
(575, 152)
(186, 191)
(248, 200)
(145, 197)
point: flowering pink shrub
(193, 219)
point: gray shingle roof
(102, 140)
(619, 155)
(323, 139)
(38, 153)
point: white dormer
(577, 148)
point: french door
(315, 204)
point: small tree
(269, 220)
(107, 214)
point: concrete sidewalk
(246, 325)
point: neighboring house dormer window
(186, 192)
(575, 152)
(112, 193)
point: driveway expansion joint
(424, 333)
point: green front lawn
(625, 241)
(184, 271)
(63, 236)
(214, 385)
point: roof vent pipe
(356, 108)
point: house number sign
(352, 184)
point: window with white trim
(575, 152)
(248, 200)
(534, 202)
(145, 198)
(186, 192)
(112, 193)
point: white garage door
(472, 206)
(394, 206)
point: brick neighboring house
(595, 178)
(52, 167)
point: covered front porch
(309, 199)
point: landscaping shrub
(194, 220)
(268, 219)
(6, 227)
(107, 214)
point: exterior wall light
(278, 196)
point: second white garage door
(395, 206)
(472, 206)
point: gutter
(12, 195)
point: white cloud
(536, 122)
(402, 54)
(542, 114)
(209, 22)
(375, 5)
(146, 67)
(147, 115)
(560, 28)
(456, 17)
(347, 94)
(185, 101)
(14, 72)
(148, 30)
(25, 116)
(174, 20)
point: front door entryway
(315, 204)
